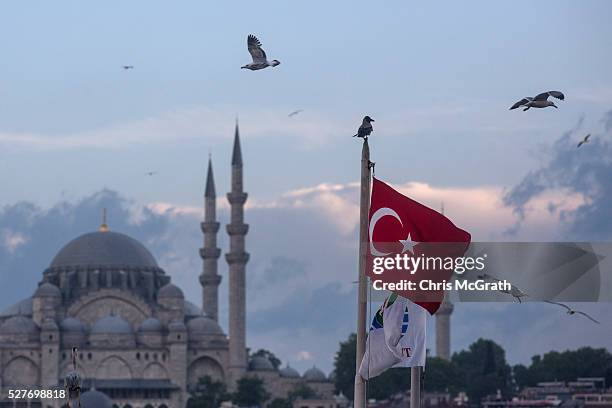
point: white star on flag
(408, 244)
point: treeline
(479, 371)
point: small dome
(49, 324)
(96, 399)
(314, 374)
(150, 325)
(19, 325)
(71, 324)
(203, 325)
(111, 325)
(289, 372)
(170, 291)
(176, 325)
(47, 290)
(261, 363)
(191, 310)
(23, 307)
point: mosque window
(89, 356)
(137, 356)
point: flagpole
(364, 209)
(415, 386)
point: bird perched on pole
(539, 101)
(260, 60)
(366, 128)
(72, 382)
(585, 140)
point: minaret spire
(104, 225)
(237, 259)
(210, 279)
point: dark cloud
(586, 171)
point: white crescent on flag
(381, 212)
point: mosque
(140, 343)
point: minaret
(237, 259)
(210, 279)
(443, 323)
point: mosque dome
(71, 324)
(170, 291)
(203, 325)
(289, 372)
(105, 248)
(314, 374)
(150, 325)
(95, 399)
(47, 289)
(19, 325)
(261, 363)
(111, 325)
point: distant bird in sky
(366, 128)
(585, 140)
(260, 60)
(126, 67)
(514, 291)
(571, 311)
(539, 101)
(292, 114)
(150, 173)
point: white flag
(396, 338)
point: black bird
(292, 114)
(126, 67)
(585, 140)
(150, 173)
(72, 382)
(366, 128)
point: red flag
(399, 225)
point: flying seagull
(292, 114)
(571, 311)
(514, 291)
(126, 67)
(366, 128)
(585, 140)
(260, 60)
(540, 101)
(150, 173)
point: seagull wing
(586, 138)
(520, 103)
(254, 46)
(587, 316)
(544, 96)
(559, 304)
(580, 143)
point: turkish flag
(399, 225)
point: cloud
(12, 240)
(310, 130)
(575, 182)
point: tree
(565, 366)
(301, 391)
(280, 403)
(344, 364)
(250, 392)
(483, 369)
(441, 375)
(276, 362)
(208, 394)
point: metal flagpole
(415, 386)
(360, 392)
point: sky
(77, 132)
